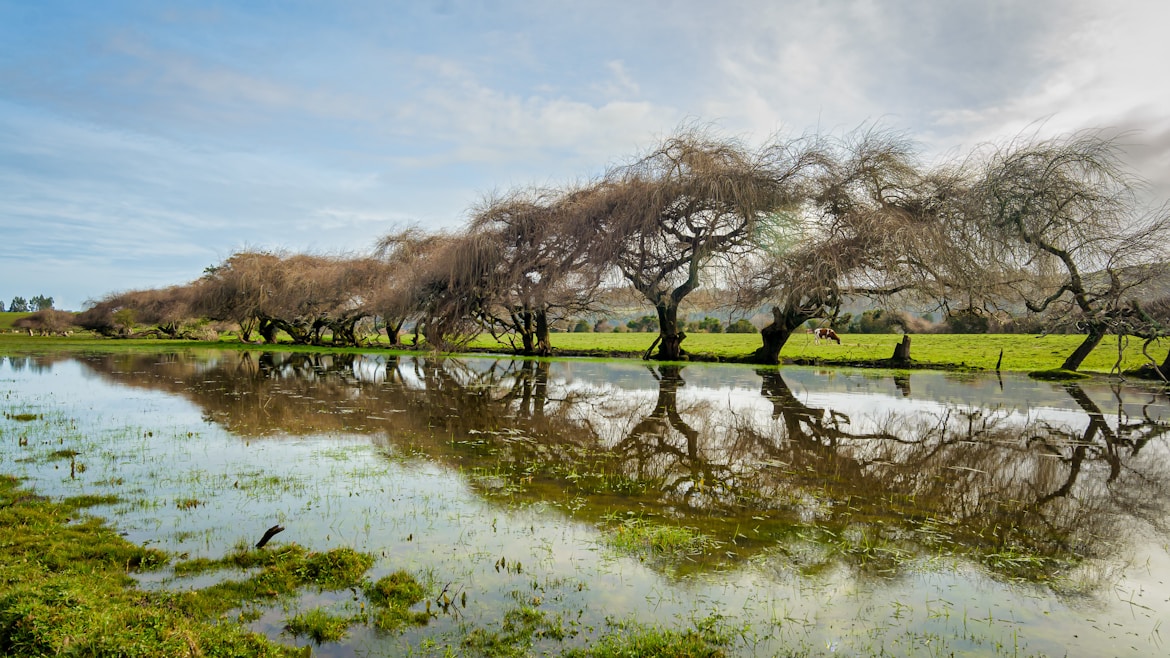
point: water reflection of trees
(1026, 496)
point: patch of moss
(391, 597)
(64, 590)
(336, 569)
(397, 589)
(319, 625)
(283, 571)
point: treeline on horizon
(1034, 234)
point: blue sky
(141, 142)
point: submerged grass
(651, 540)
(65, 590)
(707, 640)
(319, 625)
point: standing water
(784, 511)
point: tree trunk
(523, 321)
(543, 342)
(776, 335)
(1166, 367)
(670, 347)
(392, 332)
(247, 326)
(1091, 341)
(902, 352)
(268, 331)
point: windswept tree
(239, 290)
(312, 294)
(167, 312)
(871, 226)
(542, 272)
(303, 295)
(1064, 212)
(1151, 322)
(46, 322)
(694, 201)
(409, 254)
(449, 287)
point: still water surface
(828, 511)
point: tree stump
(902, 352)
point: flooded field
(543, 504)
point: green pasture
(1021, 352)
(6, 319)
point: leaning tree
(168, 311)
(872, 225)
(1064, 211)
(411, 255)
(450, 286)
(238, 290)
(541, 240)
(693, 202)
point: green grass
(64, 590)
(651, 540)
(7, 318)
(1022, 352)
(631, 639)
(319, 625)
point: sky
(143, 141)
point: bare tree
(238, 289)
(46, 322)
(169, 311)
(1151, 322)
(872, 226)
(542, 273)
(694, 199)
(303, 295)
(1064, 212)
(447, 286)
(410, 254)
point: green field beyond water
(1021, 352)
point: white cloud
(187, 133)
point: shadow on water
(1029, 484)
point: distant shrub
(876, 321)
(646, 323)
(582, 327)
(742, 326)
(967, 322)
(708, 325)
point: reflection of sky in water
(339, 489)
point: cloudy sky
(142, 141)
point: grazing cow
(826, 333)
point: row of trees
(1050, 227)
(21, 305)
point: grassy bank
(1021, 352)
